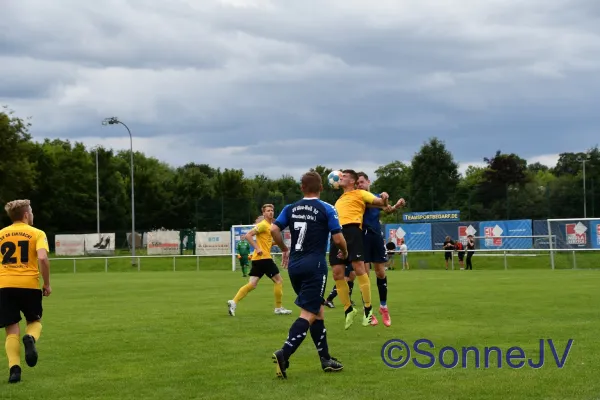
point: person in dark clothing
(449, 247)
(470, 251)
(460, 248)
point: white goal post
(573, 234)
(237, 234)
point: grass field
(167, 335)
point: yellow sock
(243, 292)
(278, 291)
(13, 350)
(343, 291)
(365, 288)
(34, 329)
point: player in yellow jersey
(351, 207)
(21, 247)
(262, 262)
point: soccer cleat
(331, 365)
(350, 317)
(329, 304)
(387, 321)
(31, 354)
(231, 305)
(15, 374)
(368, 319)
(281, 364)
(282, 311)
(374, 320)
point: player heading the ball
(351, 207)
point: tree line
(59, 176)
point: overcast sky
(280, 86)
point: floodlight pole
(583, 160)
(97, 195)
(112, 121)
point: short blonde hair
(16, 209)
(266, 206)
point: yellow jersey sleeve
(368, 197)
(42, 242)
(262, 227)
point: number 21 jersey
(19, 244)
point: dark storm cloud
(307, 82)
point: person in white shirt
(404, 252)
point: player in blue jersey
(310, 221)
(374, 246)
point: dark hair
(352, 173)
(311, 182)
(359, 174)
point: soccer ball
(334, 179)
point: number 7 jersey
(310, 221)
(19, 244)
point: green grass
(167, 335)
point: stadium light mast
(113, 121)
(95, 148)
(583, 160)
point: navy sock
(333, 294)
(382, 286)
(295, 337)
(319, 336)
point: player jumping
(262, 263)
(22, 247)
(350, 207)
(311, 221)
(374, 247)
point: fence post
(197, 263)
(173, 263)
(505, 261)
(574, 260)
(139, 266)
(74, 265)
(106, 264)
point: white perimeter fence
(418, 259)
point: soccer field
(167, 335)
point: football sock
(350, 286)
(365, 288)
(34, 329)
(243, 292)
(295, 337)
(382, 286)
(278, 291)
(343, 291)
(333, 294)
(319, 336)
(13, 350)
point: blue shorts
(309, 284)
(374, 247)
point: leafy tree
(18, 174)
(434, 178)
